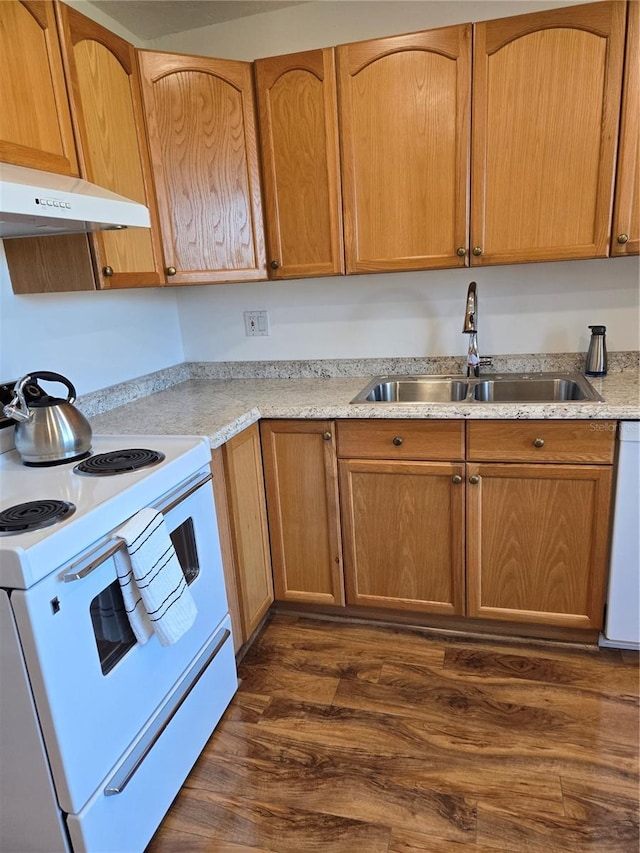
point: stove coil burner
(34, 515)
(118, 462)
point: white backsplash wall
(95, 339)
(526, 308)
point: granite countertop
(221, 408)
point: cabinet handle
(327, 436)
(477, 251)
(474, 480)
(107, 271)
(457, 479)
(275, 265)
(538, 442)
(461, 252)
(397, 441)
(623, 238)
(171, 270)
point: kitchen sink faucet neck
(470, 328)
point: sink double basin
(507, 388)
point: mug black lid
(598, 330)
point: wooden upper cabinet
(35, 121)
(107, 107)
(405, 126)
(201, 126)
(625, 234)
(546, 99)
(297, 114)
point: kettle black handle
(50, 376)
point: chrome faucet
(470, 328)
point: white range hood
(35, 203)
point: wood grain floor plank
(173, 841)
(315, 780)
(272, 679)
(246, 707)
(329, 661)
(570, 712)
(368, 640)
(475, 722)
(597, 829)
(591, 672)
(412, 791)
(268, 827)
(404, 841)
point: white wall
(330, 22)
(95, 339)
(522, 309)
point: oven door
(95, 688)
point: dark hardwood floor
(356, 739)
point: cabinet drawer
(401, 439)
(541, 441)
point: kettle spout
(17, 408)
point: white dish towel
(155, 592)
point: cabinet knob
(457, 479)
(477, 251)
(275, 265)
(327, 436)
(171, 270)
(623, 238)
(474, 480)
(107, 271)
(397, 441)
(538, 442)
(461, 251)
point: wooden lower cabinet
(301, 482)
(537, 540)
(244, 538)
(403, 534)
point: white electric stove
(98, 732)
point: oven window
(184, 541)
(111, 629)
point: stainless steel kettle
(49, 430)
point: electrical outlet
(256, 323)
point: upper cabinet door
(625, 234)
(404, 120)
(546, 101)
(35, 122)
(201, 126)
(297, 113)
(105, 91)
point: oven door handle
(95, 558)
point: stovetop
(102, 503)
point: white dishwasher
(622, 623)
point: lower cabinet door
(403, 534)
(537, 540)
(301, 481)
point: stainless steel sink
(507, 388)
(533, 390)
(414, 389)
